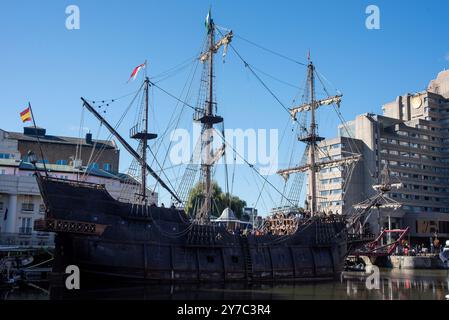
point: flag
(25, 115)
(6, 215)
(135, 72)
(208, 22)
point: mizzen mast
(311, 138)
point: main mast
(312, 139)
(205, 115)
(208, 128)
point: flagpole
(38, 140)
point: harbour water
(393, 285)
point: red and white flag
(136, 71)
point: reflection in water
(394, 285)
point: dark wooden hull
(161, 245)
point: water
(393, 285)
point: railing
(31, 240)
(27, 230)
(76, 183)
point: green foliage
(221, 200)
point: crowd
(406, 249)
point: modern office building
(332, 188)
(411, 140)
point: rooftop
(31, 134)
(67, 169)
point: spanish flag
(25, 115)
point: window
(235, 259)
(5, 156)
(41, 208)
(210, 259)
(443, 227)
(26, 226)
(27, 207)
(61, 162)
(107, 167)
(2, 171)
(1, 206)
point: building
(98, 154)
(20, 200)
(332, 189)
(410, 138)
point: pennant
(136, 71)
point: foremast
(311, 138)
(138, 132)
(144, 136)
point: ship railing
(77, 183)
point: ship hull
(143, 243)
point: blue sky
(43, 62)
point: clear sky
(43, 62)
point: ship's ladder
(248, 259)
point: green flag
(208, 22)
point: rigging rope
(272, 51)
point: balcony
(25, 230)
(26, 240)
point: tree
(220, 200)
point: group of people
(408, 250)
(281, 224)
